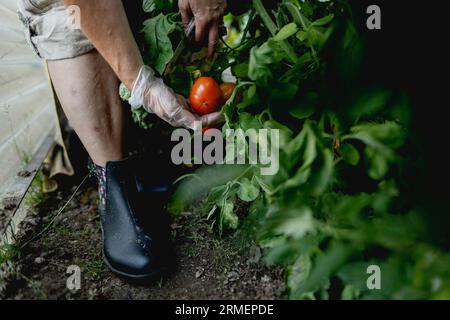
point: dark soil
(210, 267)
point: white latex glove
(150, 92)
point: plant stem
(299, 19)
(267, 20)
(271, 26)
(247, 27)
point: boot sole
(150, 277)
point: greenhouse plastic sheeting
(27, 113)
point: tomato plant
(340, 201)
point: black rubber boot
(136, 230)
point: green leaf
(195, 187)
(250, 98)
(350, 154)
(301, 150)
(156, 32)
(261, 60)
(323, 21)
(282, 93)
(124, 93)
(152, 6)
(325, 265)
(149, 5)
(248, 191)
(182, 79)
(217, 194)
(286, 32)
(378, 164)
(141, 118)
(302, 35)
(306, 107)
(280, 251)
(310, 150)
(324, 176)
(295, 223)
(240, 71)
(264, 186)
(350, 293)
(381, 139)
(317, 37)
(271, 26)
(228, 217)
(370, 102)
(350, 53)
(348, 208)
(298, 272)
(355, 274)
(248, 121)
(389, 134)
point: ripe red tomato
(227, 90)
(206, 96)
(206, 131)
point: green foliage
(124, 93)
(8, 252)
(159, 6)
(142, 118)
(337, 204)
(157, 31)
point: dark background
(410, 54)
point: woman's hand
(208, 16)
(151, 93)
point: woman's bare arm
(105, 23)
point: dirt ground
(210, 267)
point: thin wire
(47, 227)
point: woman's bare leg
(88, 91)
